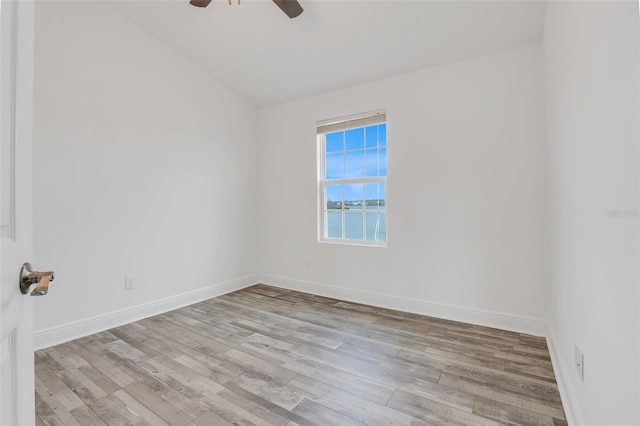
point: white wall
(144, 166)
(591, 76)
(466, 188)
(130, 137)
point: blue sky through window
(347, 153)
(354, 139)
(335, 141)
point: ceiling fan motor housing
(291, 8)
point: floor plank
(276, 357)
(433, 412)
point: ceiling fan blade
(291, 8)
(200, 3)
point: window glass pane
(382, 155)
(355, 164)
(334, 224)
(355, 138)
(382, 196)
(353, 225)
(383, 226)
(372, 136)
(335, 141)
(353, 195)
(376, 162)
(373, 162)
(373, 226)
(382, 134)
(335, 166)
(372, 195)
(334, 197)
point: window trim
(330, 126)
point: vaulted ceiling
(267, 58)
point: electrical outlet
(307, 264)
(128, 283)
(579, 363)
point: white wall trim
(563, 378)
(504, 321)
(74, 330)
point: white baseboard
(563, 378)
(64, 333)
(519, 324)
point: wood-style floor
(268, 356)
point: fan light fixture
(291, 8)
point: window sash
(324, 236)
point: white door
(17, 405)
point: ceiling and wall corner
(268, 59)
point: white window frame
(323, 182)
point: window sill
(354, 243)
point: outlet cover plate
(128, 283)
(579, 362)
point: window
(353, 179)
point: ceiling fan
(291, 8)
